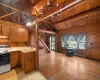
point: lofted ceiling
(47, 9)
(86, 18)
(38, 10)
(83, 6)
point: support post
(37, 48)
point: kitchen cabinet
(0, 29)
(14, 59)
(19, 35)
(6, 30)
(28, 61)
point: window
(77, 41)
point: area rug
(34, 76)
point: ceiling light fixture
(41, 8)
(48, 2)
(57, 4)
(29, 24)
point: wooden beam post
(19, 18)
(44, 44)
(37, 47)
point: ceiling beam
(14, 9)
(8, 14)
(44, 44)
(45, 31)
(60, 10)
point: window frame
(77, 41)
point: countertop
(23, 49)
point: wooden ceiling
(86, 18)
(83, 6)
(34, 6)
(62, 22)
(55, 5)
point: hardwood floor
(57, 66)
(19, 74)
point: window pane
(53, 43)
(71, 42)
(81, 45)
(53, 48)
(74, 41)
(53, 38)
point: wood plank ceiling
(36, 6)
(54, 6)
(86, 18)
(82, 7)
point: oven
(4, 59)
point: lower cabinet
(28, 61)
(14, 59)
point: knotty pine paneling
(92, 30)
(81, 7)
(86, 18)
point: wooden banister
(44, 44)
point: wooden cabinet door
(25, 35)
(14, 59)
(0, 30)
(15, 35)
(19, 35)
(5, 30)
(22, 60)
(28, 61)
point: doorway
(52, 43)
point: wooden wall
(44, 36)
(83, 24)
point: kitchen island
(24, 57)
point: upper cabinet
(15, 32)
(19, 34)
(5, 30)
(0, 29)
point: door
(52, 43)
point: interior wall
(44, 36)
(92, 31)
